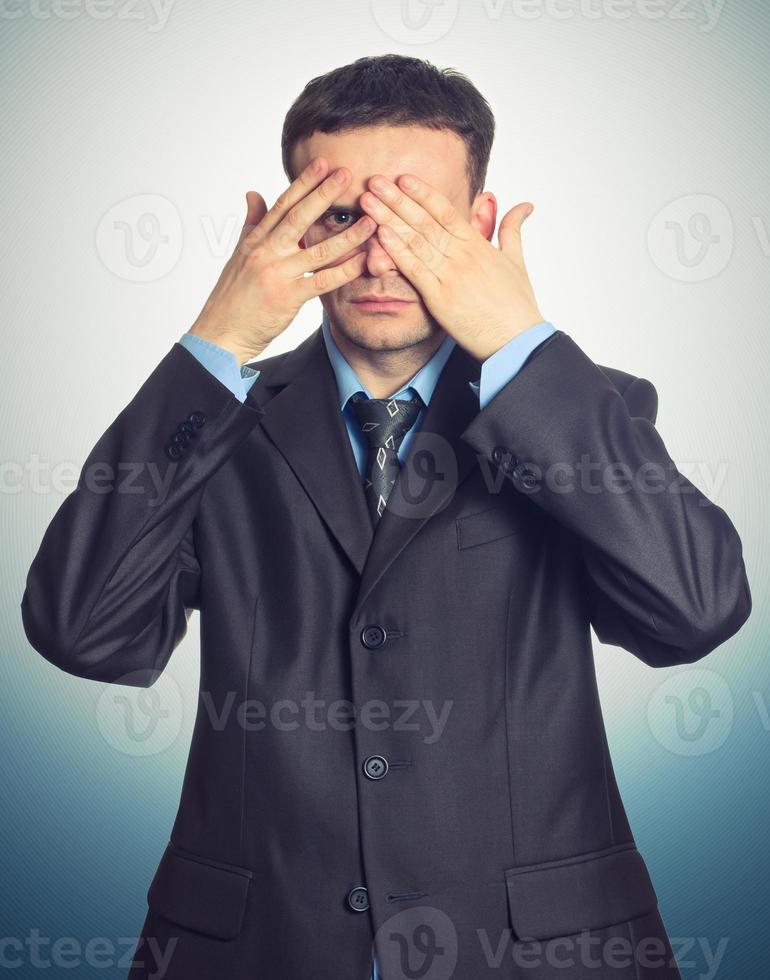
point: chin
(389, 336)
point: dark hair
(396, 90)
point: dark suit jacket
(472, 602)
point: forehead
(438, 156)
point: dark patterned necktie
(384, 423)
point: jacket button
(358, 899)
(528, 477)
(375, 766)
(372, 636)
(186, 427)
(197, 418)
(174, 450)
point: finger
(386, 200)
(326, 280)
(430, 254)
(255, 211)
(300, 187)
(323, 253)
(285, 237)
(437, 205)
(509, 232)
(409, 265)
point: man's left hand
(480, 294)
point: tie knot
(385, 421)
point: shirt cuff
(222, 363)
(505, 364)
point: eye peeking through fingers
(338, 219)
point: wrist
(225, 342)
(488, 344)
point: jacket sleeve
(109, 591)
(665, 576)
(221, 363)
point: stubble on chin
(387, 334)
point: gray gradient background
(640, 132)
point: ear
(483, 214)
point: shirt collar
(348, 382)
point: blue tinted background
(604, 123)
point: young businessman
(398, 535)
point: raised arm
(664, 567)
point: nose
(378, 260)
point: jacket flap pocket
(588, 891)
(201, 895)
(487, 525)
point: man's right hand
(263, 285)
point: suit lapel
(304, 421)
(302, 418)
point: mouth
(383, 305)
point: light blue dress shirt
(496, 372)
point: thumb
(509, 233)
(255, 212)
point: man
(398, 535)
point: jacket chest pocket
(489, 524)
